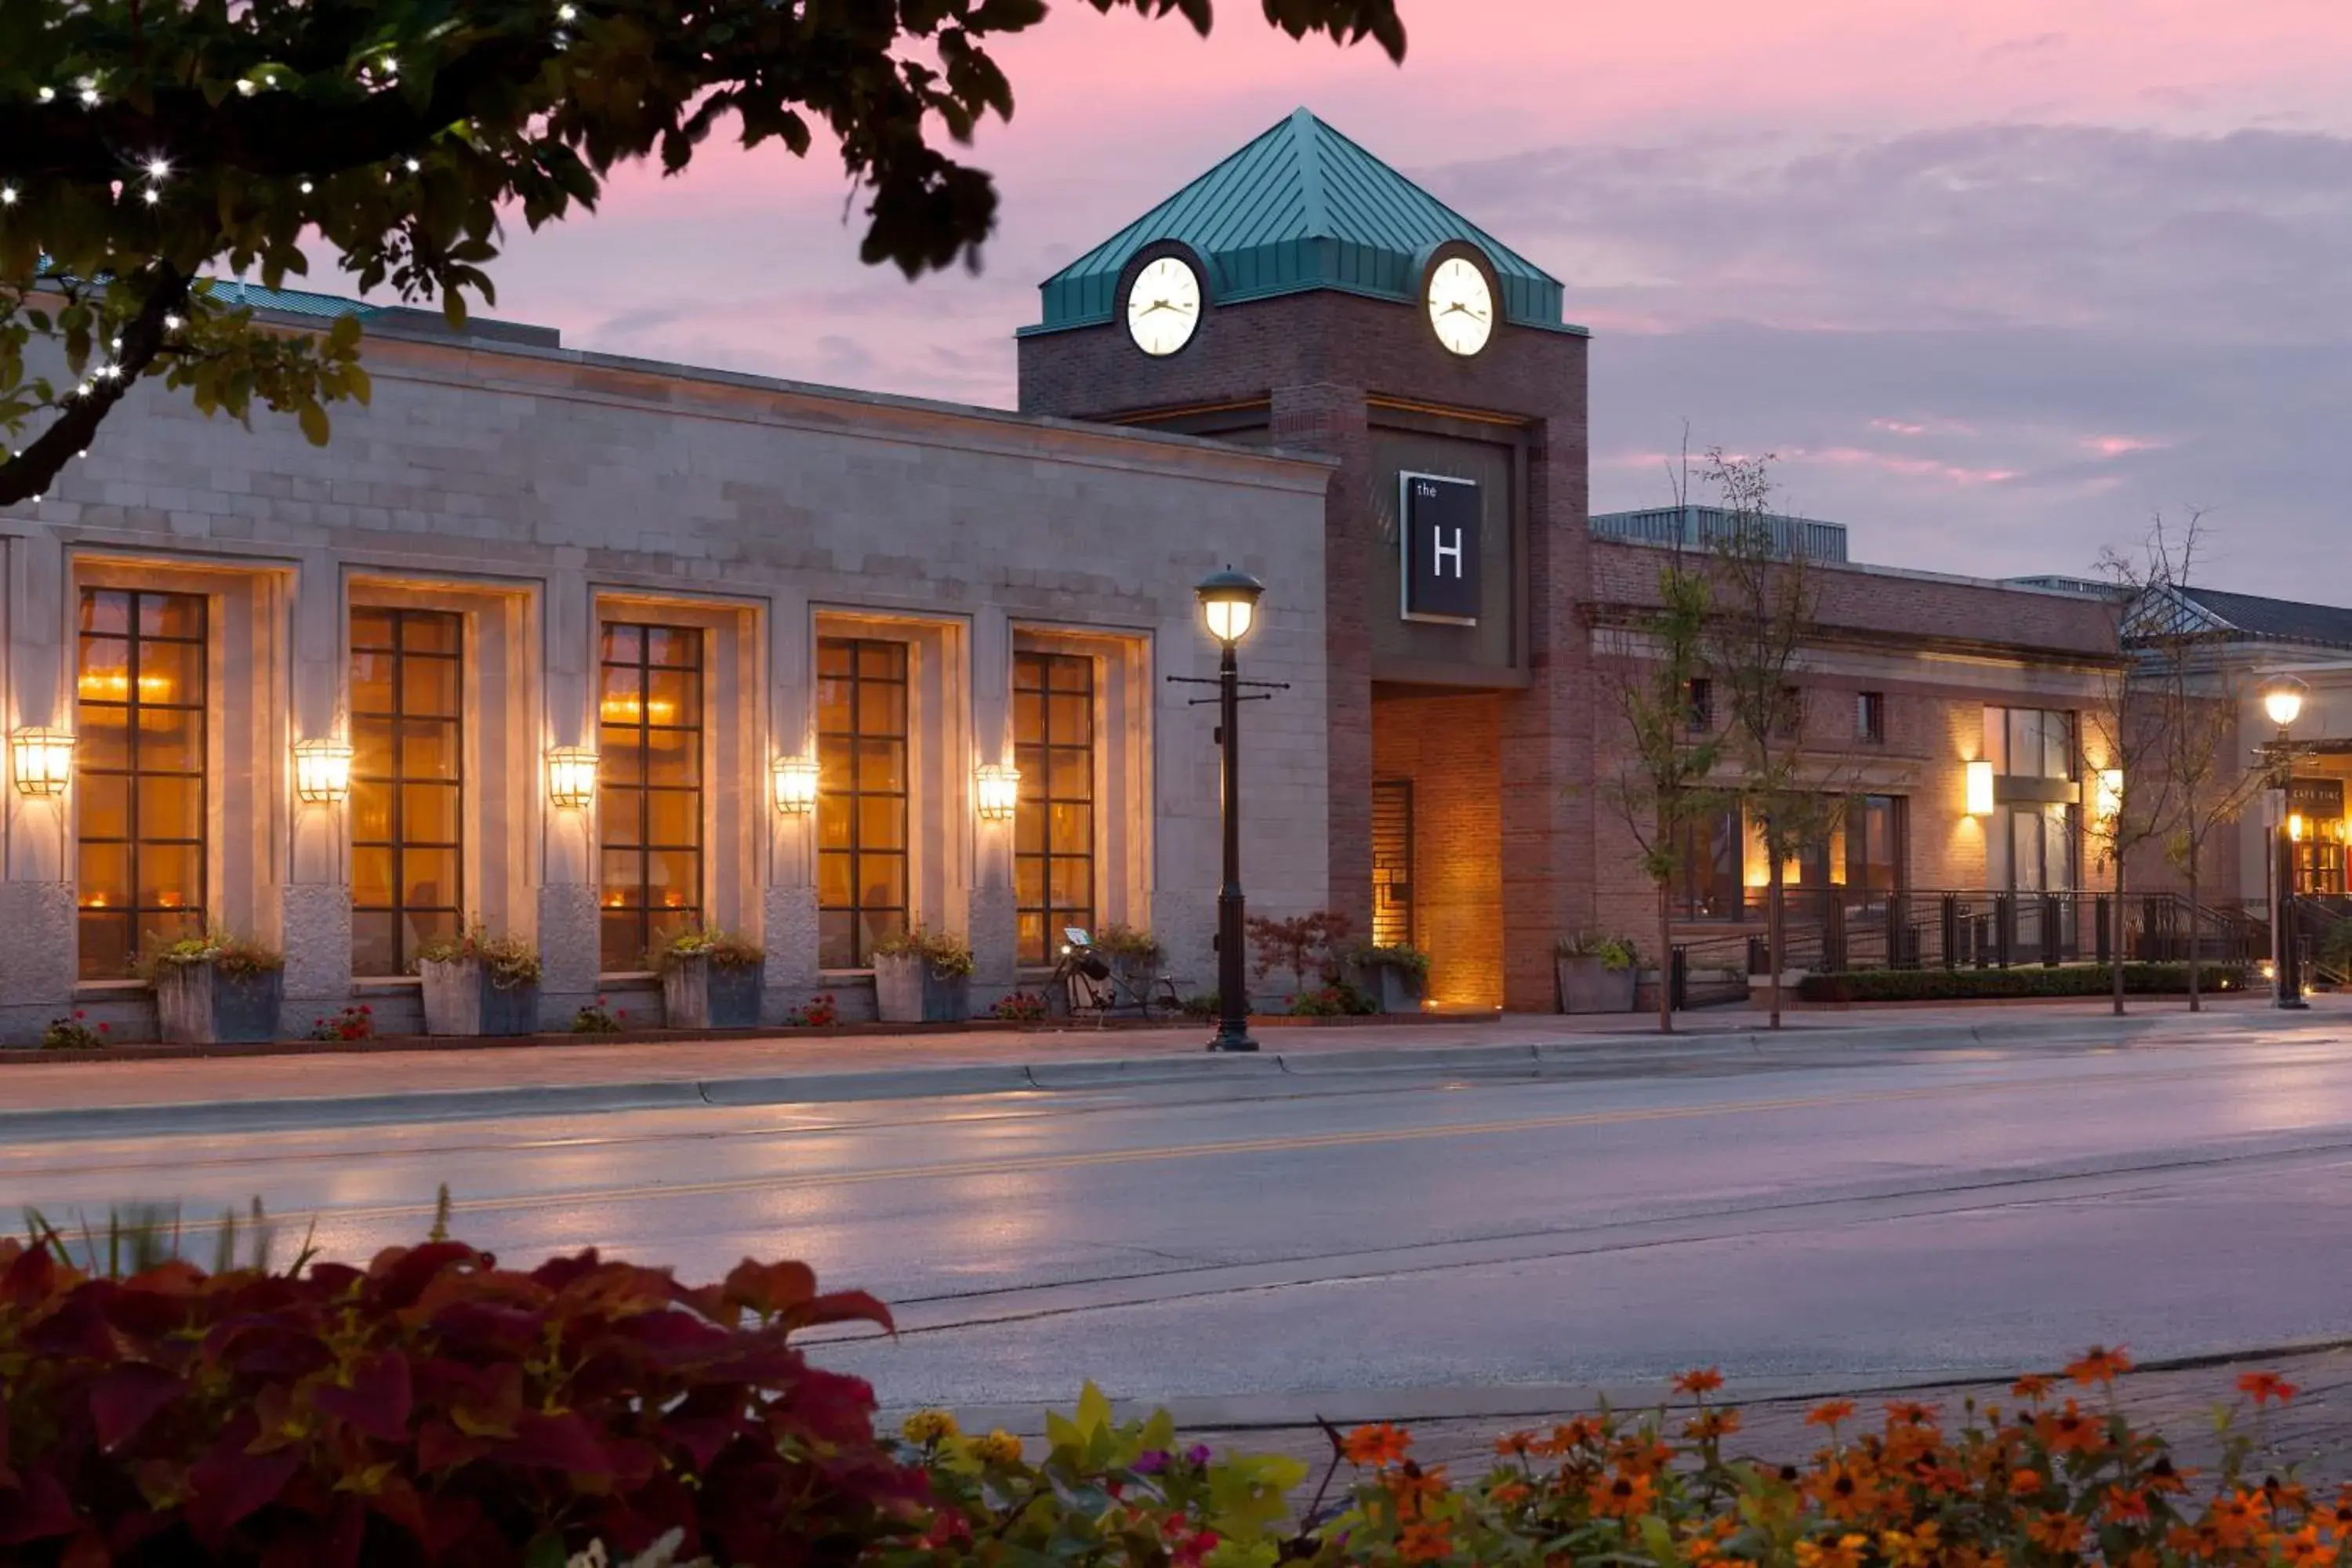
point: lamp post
(1228, 608)
(2283, 702)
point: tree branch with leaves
(145, 144)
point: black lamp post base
(2296, 1003)
(1232, 1040)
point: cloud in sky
(1994, 279)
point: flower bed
(433, 1407)
(2067, 979)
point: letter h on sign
(1437, 536)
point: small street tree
(2129, 796)
(1761, 609)
(2196, 713)
(1660, 788)
(145, 143)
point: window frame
(860, 954)
(1036, 760)
(132, 911)
(453, 780)
(1870, 717)
(611, 790)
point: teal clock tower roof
(1301, 207)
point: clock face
(1163, 306)
(1461, 306)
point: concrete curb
(982, 1079)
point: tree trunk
(1665, 962)
(2196, 931)
(1775, 927)
(2122, 947)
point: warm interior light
(997, 792)
(2294, 826)
(632, 709)
(113, 685)
(1229, 604)
(2283, 700)
(794, 781)
(570, 776)
(43, 761)
(2107, 798)
(1979, 776)
(322, 771)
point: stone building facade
(691, 575)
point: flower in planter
(1019, 1007)
(508, 960)
(227, 954)
(947, 954)
(725, 950)
(1616, 953)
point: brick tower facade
(1460, 743)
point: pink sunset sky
(1995, 278)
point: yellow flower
(929, 1426)
(999, 1447)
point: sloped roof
(399, 320)
(2273, 620)
(1300, 207)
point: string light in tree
(89, 87)
(158, 168)
(49, 95)
(7, 195)
(172, 323)
(308, 187)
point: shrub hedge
(2067, 979)
(433, 1408)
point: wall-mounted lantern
(43, 761)
(794, 781)
(2107, 795)
(1979, 778)
(570, 777)
(997, 792)
(322, 772)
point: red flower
(1700, 1380)
(2266, 1386)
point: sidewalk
(86, 1099)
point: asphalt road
(1875, 1217)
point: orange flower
(1425, 1541)
(2069, 1431)
(2100, 1364)
(1699, 1381)
(1382, 1445)
(1622, 1496)
(1711, 1425)
(1845, 1553)
(2055, 1532)
(1413, 1487)
(2022, 1481)
(2033, 1385)
(2266, 1386)
(1829, 1412)
(1514, 1443)
(1904, 1412)
(2127, 1505)
(1510, 1494)
(2304, 1549)
(1916, 1548)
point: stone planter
(198, 1005)
(699, 994)
(461, 999)
(1392, 987)
(907, 990)
(1589, 985)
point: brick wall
(1447, 746)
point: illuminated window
(1391, 862)
(1054, 842)
(649, 775)
(1709, 863)
(141, 770)
(407, 785)
(861, 806)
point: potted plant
(476, 984)
(1396, 976)
(922, 977)
(216, 990)
(1596, 972)
(1134, 955)
(711, 980)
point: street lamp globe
(2283, 699)
(1229, 604)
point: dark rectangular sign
(2316, 797)
(1437, 531)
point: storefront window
(1054, 833)
(1708, 872)
(141, 687)
(650, 779)
(407, 785)
(861, 748)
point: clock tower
(1303, 294)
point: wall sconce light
(570, 776)
(794, 782)
(2294, 826)
(997, 790)
(43, 761)
(322, 772)
(1981, 788)
(2107, 798)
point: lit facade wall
(540, 498)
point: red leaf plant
(432, 1408)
